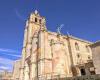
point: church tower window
(35, 19)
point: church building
(48, 55)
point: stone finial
(36, 12)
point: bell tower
(34, 25)
(37, 21)
(32, 39)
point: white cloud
(5, 61)
(3, 68)
(6, 64)
(8, 50)
(19, 15)
(14, 55)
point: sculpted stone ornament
(36, 12)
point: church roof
(70, 36)
(97, 43)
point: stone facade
(47, 54)
(16, 69)
(5, 75)
(96, 56)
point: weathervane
(59, 28)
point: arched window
(35, 19)
(87, 49)
(77, 46)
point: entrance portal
(82, 71)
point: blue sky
(81, 18)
